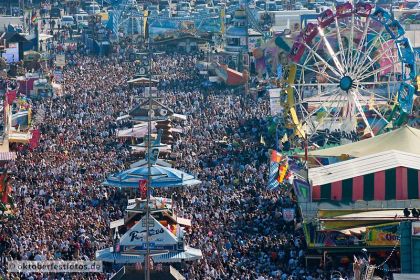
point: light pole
(149, 163)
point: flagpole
(149, 163)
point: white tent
(405, 139)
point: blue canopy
(161, 177)
(190, 254)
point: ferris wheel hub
(346, 83)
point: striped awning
(400, 183)
(190, 254)
(7, 156)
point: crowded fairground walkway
(234, 140)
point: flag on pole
(34, 141)
(11, 96)
(34, 17)
(276, 156)
(274, 170)
(282, 172)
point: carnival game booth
(358, 203)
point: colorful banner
(288, 214)
(334, 239)
(274, 170)
(385, 235)
(282, 172)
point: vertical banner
(274, 170)
(143, 188)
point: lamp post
(149, 163)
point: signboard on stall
(384, 235)
(275, 102)
(332, 238)
(135, 237)
(60, 60)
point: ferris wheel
(350, 71)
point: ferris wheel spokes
(381, 116)
(359, 64)
(330, 78)
(320, 59)
(384, 51)
(331, 52)
(377, 71)
(350, 56)
(353, 94)
(361, 43)
(371, 63)
(381, 97)
(340, 45)
(335, 104)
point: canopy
(161, 177)
(138, 131)
(190, 254)
(405, 139)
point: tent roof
(404, 139)
(379, 214)
(362, 166)
(142, 80)
(190, 254)
(161, 177)
(141, 112)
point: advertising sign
(60, 60)
(330, 238)
(275, 102)
(385, 235)
(136, 236)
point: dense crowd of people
(63, 212)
